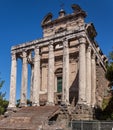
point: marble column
(88, 76)
(36, 83)
(82, 71)
(44, 78)
(32, 79)
(50, 89)
(12, 100)
(23, 100)
(93, 79)
(65, 83)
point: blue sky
(20, 21)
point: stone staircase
(28, 118)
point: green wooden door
(59, 84)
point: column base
(11, 106)
(35, 104)
(82, 101)
(23, 105)
(50, 104)
(13, 109)
(83, 112)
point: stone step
(28, 118)
(13, 128)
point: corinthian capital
(82, 40)
(50, 46)
(89, 49)
(13, 54)
(93, 55)
(65, 42)
(37, 50)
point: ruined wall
(102, 84)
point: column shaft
(82, 70)
(65, 84)
(93, 77)
(36, 84)
(44, 78)
(31, 86)
(12, 100)
(50, 89)
(88, 76)
(23, 101)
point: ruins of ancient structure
(67, 65)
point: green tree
(3, 101)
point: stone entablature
(42, 43)
(68, 57)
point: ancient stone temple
(67, 65)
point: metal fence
(79, 125)
(91, 125)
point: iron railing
(91, 125)
(85, 125)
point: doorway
(59, 84)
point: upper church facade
(67, 65)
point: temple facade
(67, 64)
